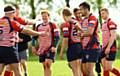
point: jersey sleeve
(65, 30)
(56, 31)
(21, 20)
(112, 25)
(16, 26)
(92, 21)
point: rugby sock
(8, 73)
(115, 71)
(106, 73)
(84, 74)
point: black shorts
(91, 55)
(74, 52)
(48, 55)
(8, 55)
(110, 57)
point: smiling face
(45, 17)
(77, 14)
(83, 11)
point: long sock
(115, 71)
(106, 73)
(8, 73)
(84, 74)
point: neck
(7, 15)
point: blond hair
(104, 9)
(45, 11)
(66, 12)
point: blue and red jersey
(70, 30)
(92, 41)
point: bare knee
(8, 68)
(47, 65)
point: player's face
(45, 17)
(104, 15)
(65, 18)
(83, 11)
(12, 14)
(77, 14)
(17, 12)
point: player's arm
(78, 26)
(25, 21)
(56, 32)
(56, 36)
(20, 28)
(112, 38)
(64, 45)
(112, 27)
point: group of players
(80, 35)
(80, 39)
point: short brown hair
(45, 11)
(66, 12)
(75, 10)
(104, 9)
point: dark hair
(9, 8)
(85, 5)
(75, 10)
(66, 12)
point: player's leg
(1, 68)
(91, 58)
(16, 68)
(47, 67)
(111, 60)
(23, 55)
(89, 67)
(106, 72)
(73, 56)
(83, 66)
(75, 66)
(8, 71)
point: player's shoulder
(92, 17)
(13, 22)
(112, 24)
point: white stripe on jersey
(65, 29)
(112, 26)
(93, 21)
(56, 30)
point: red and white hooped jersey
(46, 41)
(106, 27)
(8, 38)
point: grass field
(60, 67)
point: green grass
(59, 68)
